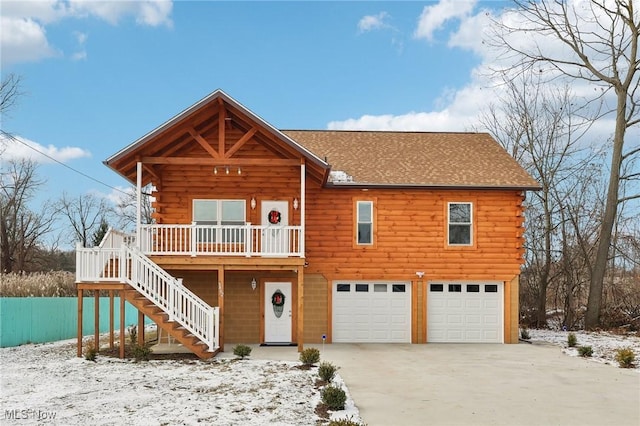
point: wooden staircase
(173, 328)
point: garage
(371, 312)
(468, 312)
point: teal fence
(47, 319)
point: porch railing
(128, 265)
(221, 240)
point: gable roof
(355, 158)
(128, 154)
(425, 159)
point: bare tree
(541, 127)
(126, 208)
(596, 42)
(85, 214)
(9, 92)
(21, 229)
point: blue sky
(95, 79)
(98, 75)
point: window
(399, 288)
(343, 287)
(455, 288)
(460, 224)
(362, 287)
(380, 288)
(490, 288)
(473, 288)
(365, 222)
(436, 287)
(219, 213)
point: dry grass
(38, 284)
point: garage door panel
(471, 315)
(377, 315)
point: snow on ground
(40, 381)
(604, 344)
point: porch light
(254, 283)
(253, 203)
(215, 170)
(239, 171)
(295, 203)
(227, 169)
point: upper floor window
(460, 221)
(219, 212)
(364, 222)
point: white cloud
(460, 108)
(23, 40)
(373, 22)
(81, 54)
(434, 17)
(23, 36)
(152, 13)
(17, 147)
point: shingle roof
(416, 158)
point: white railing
(129, 265)
(221, 240)
(168, 293)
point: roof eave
(218, 93)
(354, 185)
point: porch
(150, 283)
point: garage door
(372, 312)
(465, 312)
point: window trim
(374, 223)
(219, 202)
(471, 224)
(219, 219)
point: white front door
(275, 236)
(277, 312)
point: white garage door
(372, 312)
(465, 312)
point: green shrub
(334, 397)
(345, 422)
(625, 357)
(310, 356)
(241, 351)
(90, 351)
(572, 340)
(327, 371)
(141, 352)
(524, 334)
(585, 351)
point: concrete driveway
(480, 384)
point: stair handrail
(168, 293)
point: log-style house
(273, 236)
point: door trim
(294, 305)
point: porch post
(300, 320)
(221, 307)
(302, 205)
(140, 328)
(96, 319)
(139, 203)
(80, 300)
(111, 321)
(122, 336)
